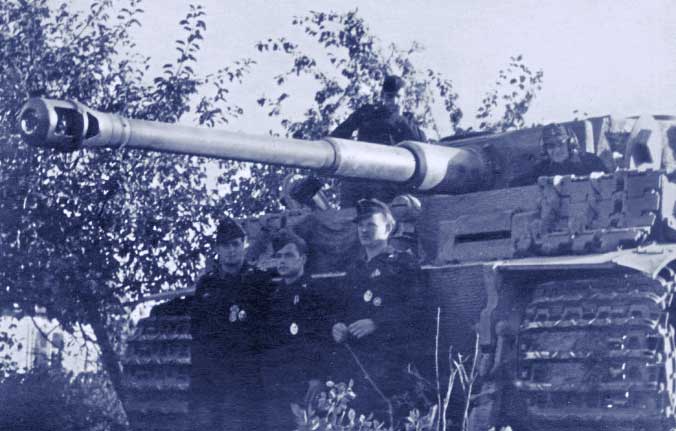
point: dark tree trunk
(109, 358)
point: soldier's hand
(362, 328)
(339, 332)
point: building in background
(41, 342)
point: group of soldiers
(260, 345)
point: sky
(598, 56)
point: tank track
(599, 354)
(157, 374)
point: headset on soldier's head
(555, 132)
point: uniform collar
(301, 283)
(245, 269)
(387, 251)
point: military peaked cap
(228, 229)
(367, 207)
(393, 84)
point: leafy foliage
(81, 232)
(8, 345)
(50, 399)
(349, 74)
(350, 71)
(331, 411)
(514, 92)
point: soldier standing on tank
(297, 334)
(562, 156)
(227, 318)
(380, 123)
(382, 312)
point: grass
(329, 410)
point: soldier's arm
(530, 176)
(595, 164)
(261, 294)
(198, 307)
(336, 306)
(401, 320)
(421, 134)
(415, 132)
(347, 127)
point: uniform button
(377, 301)
(368, 295)
(293, 328)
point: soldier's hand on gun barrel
(339, 332)
(362, 328)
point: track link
(598, 354)
(157, 374)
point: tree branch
(44, 334)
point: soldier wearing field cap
(382, 309)
(380, 123)
(227, 317)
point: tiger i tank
(565, 287)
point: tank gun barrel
(69, 126)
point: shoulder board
(405, 258)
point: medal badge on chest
(293, 328)
(368, 295)
(375, 273)
(234, 310)
(377, 301)
(242, 315)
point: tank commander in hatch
(381, 317)
(227, 318)
(380, 123)
(562, 156)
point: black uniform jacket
(298, 332)
(377, 124)
(385, 290)
(380, 125)
(587, 164)
(227, 319)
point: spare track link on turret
(598, 354)
(157, 374)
